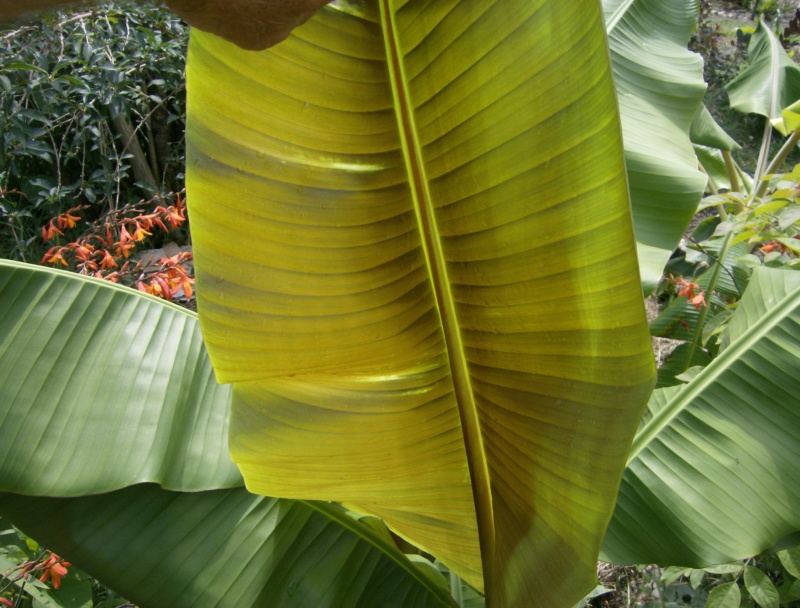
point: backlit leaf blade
(102, 387)
(227, 548)
(713, 476)
(415, 261)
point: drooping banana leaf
(659, 86)
(709, 139)
(790, 119)
(415, 262)
(228, 548)
(714, 473)
(769, 286)
(103, 389)
(705, 131)
(771, 81)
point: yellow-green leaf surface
(415, 263)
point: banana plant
(417, 270)
(453, 337)
(415, 265)
(770, 83)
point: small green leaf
(743, 236)
(726, 595)
(790, 558)
(673, 573)
(696, 578)
(735, 568)
(761, 588)
(774, 205)
(715, 325)
(789, 591)
(22, 65)
(789, 216)
(690, 373)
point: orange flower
(175, 214)
(121, 249)
(83, 251)
(50, 232)
(54, 255)
(773, 246)
(140, 233)
(65, 220)
(108, 261)
(124, 237)
(54, 568)
(699, 300)
(687, 290)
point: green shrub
(92, 110)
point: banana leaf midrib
(664, 417)
(434, 255)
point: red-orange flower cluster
(61, 222)
(687, 289)
(103, 250)
(170, 278)
(773, 246)
(54, 568)
(50, 565)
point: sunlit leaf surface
(659, 85)
(714, 473)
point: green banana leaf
(415, 263)
(704, 131)
(771, 81)
(228, 548)
(790, 119)
(708, 141)
(103, 389)
(714, 472)
(659, 87)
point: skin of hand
(251, 24)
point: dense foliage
(92, 112)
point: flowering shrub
(711, 272)
(104, 248)
(92, 109)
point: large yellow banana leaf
(415, 263)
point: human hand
(251, 24)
